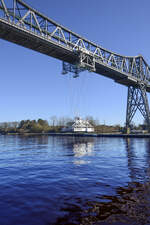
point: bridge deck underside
(48, 47)
(117, 76)
(31, 41)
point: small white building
(79, 125)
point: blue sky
(32, 85)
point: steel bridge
(23, 25)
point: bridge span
(23, 25)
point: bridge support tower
(137, 100)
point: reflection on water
(82, 149)
(138, 155)
(72, 180)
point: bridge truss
(23, 25)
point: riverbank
(86, 134)
(101, 135)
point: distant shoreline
(85, 135)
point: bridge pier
(137, 100)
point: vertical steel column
(14, 7)
(137, 100)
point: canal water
(48, 180)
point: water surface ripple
(43, 177)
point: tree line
(55, 124)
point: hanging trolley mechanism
(70, 68)
(85, 61)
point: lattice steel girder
(19, 21)
(137, 100)
(84, 62)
